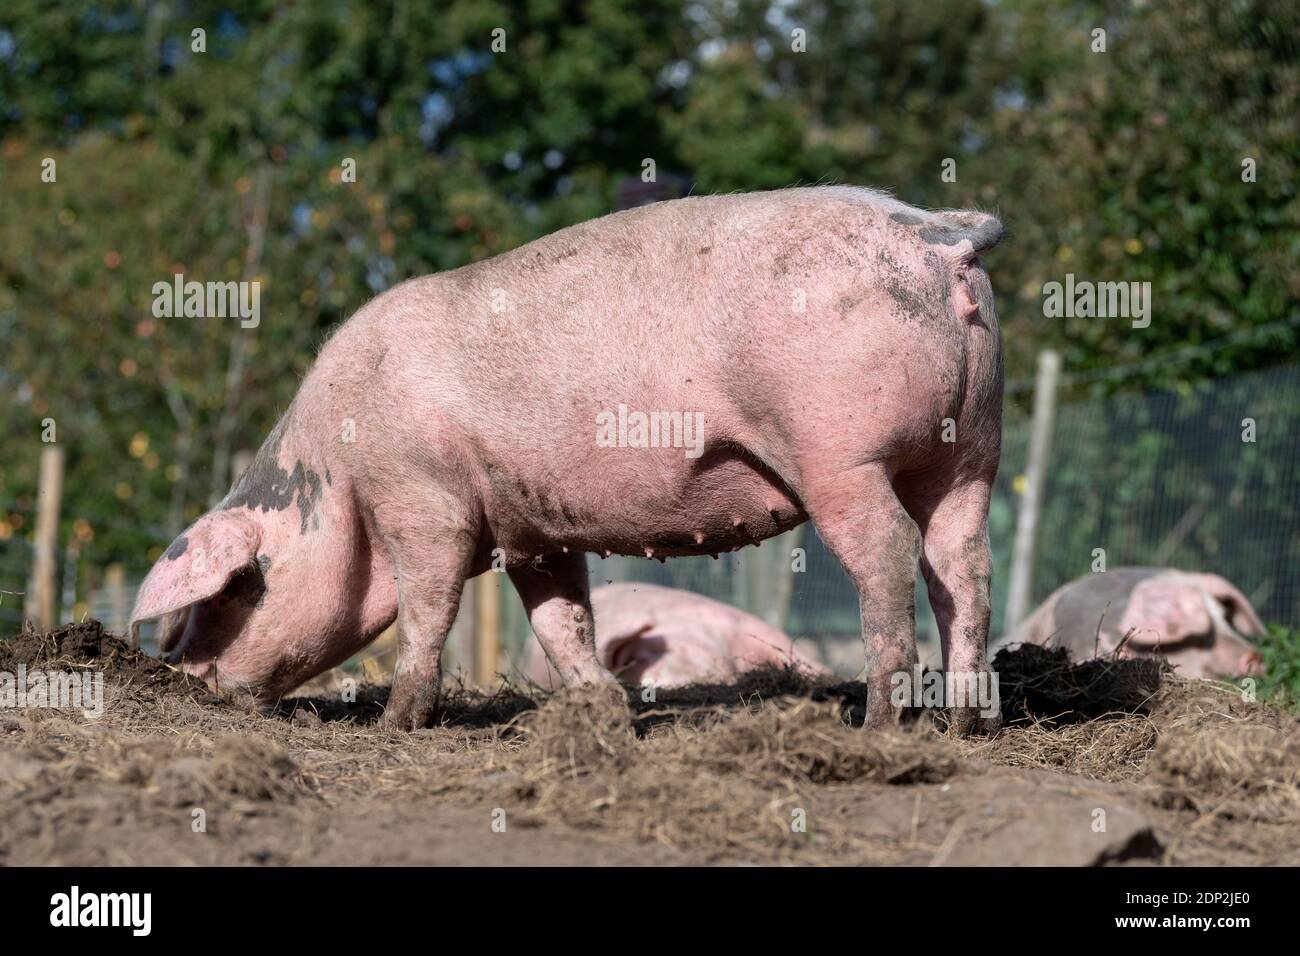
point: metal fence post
(1040, 442)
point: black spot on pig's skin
(266, 486)
(910, 302)
(176, 548)
(932, 233)
(938, 233)
(942, 235)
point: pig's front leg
(428, 596)
(557, 595)
(863, 524)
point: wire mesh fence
(15, 563)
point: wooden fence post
(115, 591)
(487, 630)
(1040, 444)
(42, 598)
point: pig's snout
(1238, 662)
(222, 675)
(1251, 663)
(221, 681)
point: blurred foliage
(1280, 683)
(225, 164)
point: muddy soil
(1114, 762)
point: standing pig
(1199, 622)
(647, 634)
(679, 379)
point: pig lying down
(652, 635)
(1199, 622)
(840, 348)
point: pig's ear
(1237, 608)
(624, 654)
(197, 566)
(170, 628)
(1172, 611)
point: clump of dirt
(87, 643)
(578, 730)
(1041, 685)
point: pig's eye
(247, 588)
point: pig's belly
(688, 509)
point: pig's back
(671, 304)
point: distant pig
(683, 378)
(1199, 622)
(647, 634)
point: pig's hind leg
(864, 525)
(557, 596)
(957, 565)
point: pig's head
(668, 659)
(1200, 623)
(250, 605)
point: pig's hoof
(611, 694)
(970, 722)
(882, 717)
(406, 714)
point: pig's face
(1198, 630)
(235, 615)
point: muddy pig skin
(1199, 622)
(830, 354)
(666, 637)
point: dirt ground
(1104, 763)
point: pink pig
(1199, 622)
(826, 353)
(647, 634)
